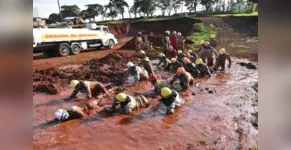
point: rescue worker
(220, 61)
(175, 64)
(166, 62)
(190, 67)
(180, 41)
(201, 44)
(180, 56)
(158, 84)
(212, 41)
(193, 56)
(171, 99)
(207, 53)
(137, 72)
(75, 112)
(142, 54)
(185, 78)
(129, 103)
(171, 53)
(91, 88)
(139, 42)
(202, 68)
(173, 39)
(147, 65)
(166, 42)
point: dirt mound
(154, 39)
(106, 70)
(119, 30)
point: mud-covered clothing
(138, 73)
(139, 43)
(174, 66)
(131, 103)
(180, 43)
(173, 40)
(180, 58)
(159, 84)
(148, 67)
(185, 80)
(193, 57)
(166, 43)
(207, 53)
(220, 61)
(203, 70)
(213, 43)
(80, 111)
(91, 88)
(172, 102)
(171, 54)
(191, 68)
(166, 63)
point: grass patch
(201, 32)
(242, 51)
(232, 45)
(237, 14)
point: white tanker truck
(65, 41)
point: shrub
(199, 27)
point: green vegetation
(232, 45)
(242, 51)
(236, 14)
(202, 32)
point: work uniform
(180, 58)
(159, 84)
(213, 43)
(131, 103)
(191, 68)
(80, 111)
(148, 67)
(181, 43)
(220, 61)
(172, 102)
(138, 73)
(139, 43)
(173, 40)
(203, 70)
(166, 63)
(171, 54)
(185, 79)
(207, 53)
(91, 88)
(174, 66)
(166, 42)
(193, 57)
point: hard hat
(161, 55)
(202, 41)
(180, 52)
(173, 60)
(181, 70)
(74, 83)
(171, 47)
(153, 77)
(206, 43)
(179, 33)
(129, 65)
(199, 61)
(222, 51)
(146, 59)
(212, 36)
(121, 97)
(142, 52)
(190, 51)
(139, 33)
(174, 32)
(61, 114)
(166, 92)
(186, 60)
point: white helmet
(142, 52)
(174, 32)
(161, 55)
(179, 33)
(129, 65)
(61, 114)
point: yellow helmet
(212, 36)
(222, 51)
(199, 61)
(74, 83)
(173, 60)
(180, 52)
(121, 97)
(202, 41)
(166, 92)
(190, 51)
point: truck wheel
(75, 49)
(64, 50)
(110, 44)
(49, 53)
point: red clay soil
(155, 39)
(119, 30)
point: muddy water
(217, 119)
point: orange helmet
(181, 70)
(153, 77)
(186, 60)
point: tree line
(140, 8)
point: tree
(54, 17)
(191, 5)
(94, 10)
(134, 8)
(83, 14)
(112, 10)
(70, 10)
(208, 3)
(145, 7)
(176, 5)
(119, 5)
(166, 6)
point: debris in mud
(206, 89)
(248, 65)
(46, 88)
(210, 92)
(193, 93)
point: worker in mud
(75, 112)
(142, 54)
(91, 88)
(175, 64)
(180, 56)
(180, 41)
(165, 61)
(171, 53)
(128, 103)
(158, 84)
(139, 42)
(220, 61)
(137, 72)
(190, 67)
(212, 41)
(203, 69)
(192, 56)
(171, 99)
(147, 65)
(166, 41)
(206, 53)
(173, 39)
(185, 78)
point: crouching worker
(185, 78)
(137, 72)
(202, 68)
(190, 67)
(171, 99)
(128, 103)
(91, 88)
(220, 61)
(175, 64)
(165, 61)
(76, 112)
(147, 65)
(158, 84)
